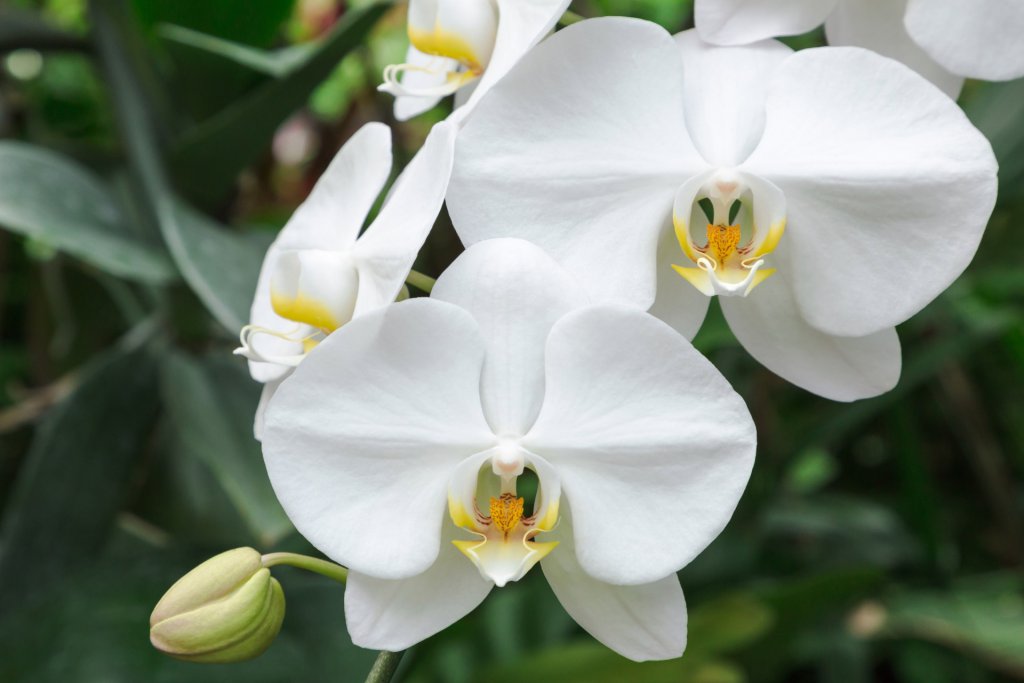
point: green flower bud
(228, 609)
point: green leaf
(273, 63)
(23, 29)
(77, 473)
(245, 21)
(52, 199)
(211, 403)
(210, 156)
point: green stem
(570, 18)
(385, 667)
(420, 281)
(311, 564)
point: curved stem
(420, 281)
(311, 564)
(385, 667)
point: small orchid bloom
(320, 273)
(943, 40)
(398, 448)
(846, 191)
(464, 47)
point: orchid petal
(878, 26)
(641, 622)
(980, 39)
(393, 615)
(386, 251)
(886, 204)
(724, 91)
(516, 292)
(361, 439)
(769, 325)
(429, 71)
(653, 446)
(269, 389)
(736, 22)
(678, 302)
(582, 142)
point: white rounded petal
(678, 302)
(361, 439)
(432, 72)
(878, 26)
(521, 25)
(516, 292)
(724, 90)
(393, 615)
(977, 39)
(579, 149)
(653, 446)
(769, 326)
(644, 622)
(259, 421)
(386, 251)
(886, 204)
(735, 22)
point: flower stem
(311, 564)
(420, 281)
(385, 667)
(570, 18)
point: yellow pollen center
(506, 512)
(723, 240)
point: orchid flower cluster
(544, 406)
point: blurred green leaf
(77, 473)
(209, 157)
(997, 110)
(245, 21)
(24, 29)
(53, 200)
(211, 403)
(274, 63)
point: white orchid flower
(943, 40)
(396, 449)
(863, 190)
(320, 273)
(464, 47)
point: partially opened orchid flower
(943, 40)
(320, 273)
(464, 47)
(398, 446)
(862, 191)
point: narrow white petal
(393, 615)
(878, 26)
(516, 292)
(641, 622)
(886, 203)
(579, 149)
(361, 439)
(977, 39)
(386, 251)
(735, 22)
(653, 446)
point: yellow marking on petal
(759, 277)
(303, 309)
(550, 518)
(506, 512)
(723, 240)
(542, 550)
(697, 277)
(460, 515)
(683, 235)
(771, 240)
(444, 43)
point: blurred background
(149, 150)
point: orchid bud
(228, 609)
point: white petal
(409, 106)
(393, 615)
(735, 22)
(653, 446)
(454, 28)
(678, 303)
(579, 149)
(724, 90)
(977, 39)
(516, 292)
(641, 622)
(361, 439)
(386, 251)
(769, 326)
(886, 203)
(878, 26)
(259, 421)
(521, 25)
